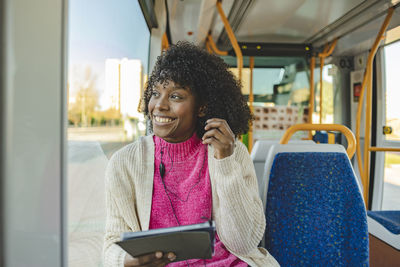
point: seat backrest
(314, 209)
(259, 154)
(294, 147)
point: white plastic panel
(33, 94)
(290, 21)
(378, 230)
(259, 154)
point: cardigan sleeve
(241, 220)
(118, 206)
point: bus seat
(311, 146)
(385, 225)
(259, 154)
(315, 214)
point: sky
(100, 29)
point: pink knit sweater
(186, 197)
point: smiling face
(173, 112)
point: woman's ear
(202, 111)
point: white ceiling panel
(290, 21)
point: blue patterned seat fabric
(390, 219)
(315, 212)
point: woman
(192, 168)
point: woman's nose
(162, 103)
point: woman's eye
(154, 93)
(176, 97)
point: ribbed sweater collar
(177, 151)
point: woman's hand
(156, 259)
(220, 136)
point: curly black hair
(210, 81)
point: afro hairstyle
(210, 81)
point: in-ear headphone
(162, 167)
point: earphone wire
(192, 187)
(166, 192)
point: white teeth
(159, 119)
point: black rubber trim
(373, 134)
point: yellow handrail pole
(232, 39)
(321, 67)
(164, 42)
(392, 149)
(251, 100)
(367, 135)
(358, 126)
(214, 47)
(312, 94)
(369, 103)
(320, 88)
(351, 147)
(208, 47)
(328, 49)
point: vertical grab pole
(358, 126)
(164, 42)
(321, 67)
(367, 139)
(312, 94)
(251, 100)
(232, 39)
(328, 49)
(320, 88)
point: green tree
(84, 98)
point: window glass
(391, 185)
(285, 91)
(108, 50)
(264, 80)
(392, 70)
(281, 96)
(329, 73)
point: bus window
(392, 109)
(107, 71)
(391, 185)
(281, 94)
(329, 87)
(391, 132)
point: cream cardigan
(237, 208)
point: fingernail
(158, 254)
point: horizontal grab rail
(351, 140)
(383, 149)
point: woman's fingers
(167, 258)
(220, 136)
(221, 125)
(216, 134)
(151, 259)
